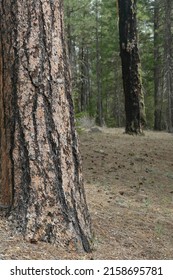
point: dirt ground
(129, 188)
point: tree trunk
(40, 168)
(158, 95)
(168, 65)
(99, 111)
(134, 100)
(83, 84)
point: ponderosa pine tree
(40, 165)
(134, 99)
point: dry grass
(129, 187)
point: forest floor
(129, 188)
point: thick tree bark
(40, 168)
(134, 100)
(7, 99)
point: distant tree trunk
(134, 100)
(117, 103)
(158, 95)
(83, 77)
(99, 112)
(40, 168)
(88, 79)
(168, 65)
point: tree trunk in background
(158, 95)
(40, 168)
(117, 103)
(134, 100)
(168, 65)
(99, 112)
(83, 77)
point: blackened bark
(40, 162)
(134, 100)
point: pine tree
(134, 100)
(40, 167)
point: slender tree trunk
(158, 96)
(134, 100)
(83, 89)
(99, 116)
(40, 168)
(117, 103)
(168, 65)
(88, 81)
(84, 77)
